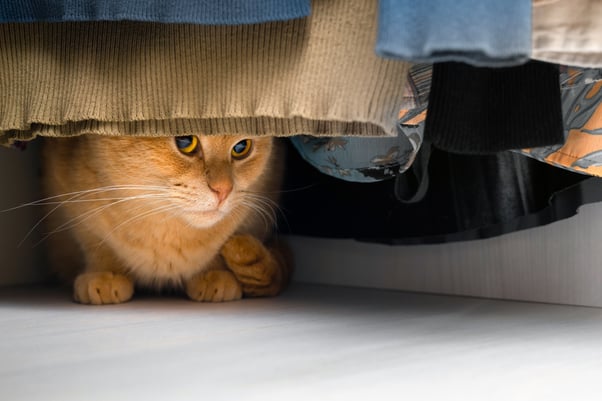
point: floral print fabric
(370, 159)
(582, 114)
(375, 159)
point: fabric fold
(568, 32)
(222, 12)
(370, 159)
(582, 114)
(485, 110)
(316, 75)
(484, 33)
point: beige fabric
(537, 3)
(318, 76)
(568, 32)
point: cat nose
(221, 189)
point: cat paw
(255, 267)
(214, 286)
(100, 288)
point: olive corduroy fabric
(318, 75)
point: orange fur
(155, 217)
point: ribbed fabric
(220, 12)
(486, 33)
(485, 110)
(317, 76)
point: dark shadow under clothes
(469, 197)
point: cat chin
(203, 219)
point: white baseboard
(557, 263)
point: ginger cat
(189, 212)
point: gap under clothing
(469, 197)
(486, 33)
(222, 12)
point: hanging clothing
(370, 159)
(484, 110)
(568, 32)
(469, 197)
(582, 114)
(317, 75)
(222, 12)
(485, 33)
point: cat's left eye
(187, 144)
(242, 149)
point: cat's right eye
(187, 144)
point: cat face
(200, 179)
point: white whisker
(138, 217)
(266, 215)
(284, 191)
(265, 202)
(95, 211)
(76, 194)
(73, 198)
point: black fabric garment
(476, 110)
(469, 197)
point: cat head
(201, 179)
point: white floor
(312, 343)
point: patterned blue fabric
(581, 152)
(368, 159)
(484, 33)
(363, 159)
(210, 12)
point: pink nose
(221, 190)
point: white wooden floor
(312, 343)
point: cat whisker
(90, 200)
(267, 202)
(283, 191)
(40, 221)
(259, 198)
(148, 213)
(95, 211)
(76, 194)
(267, 216)
(88, 214)
(276, 211)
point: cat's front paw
(214, 286)
(100, 288)
(255, 267)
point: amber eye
(242, 149)
(187, 144)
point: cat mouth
(203, 218)
(197, 211)
(201, 213)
